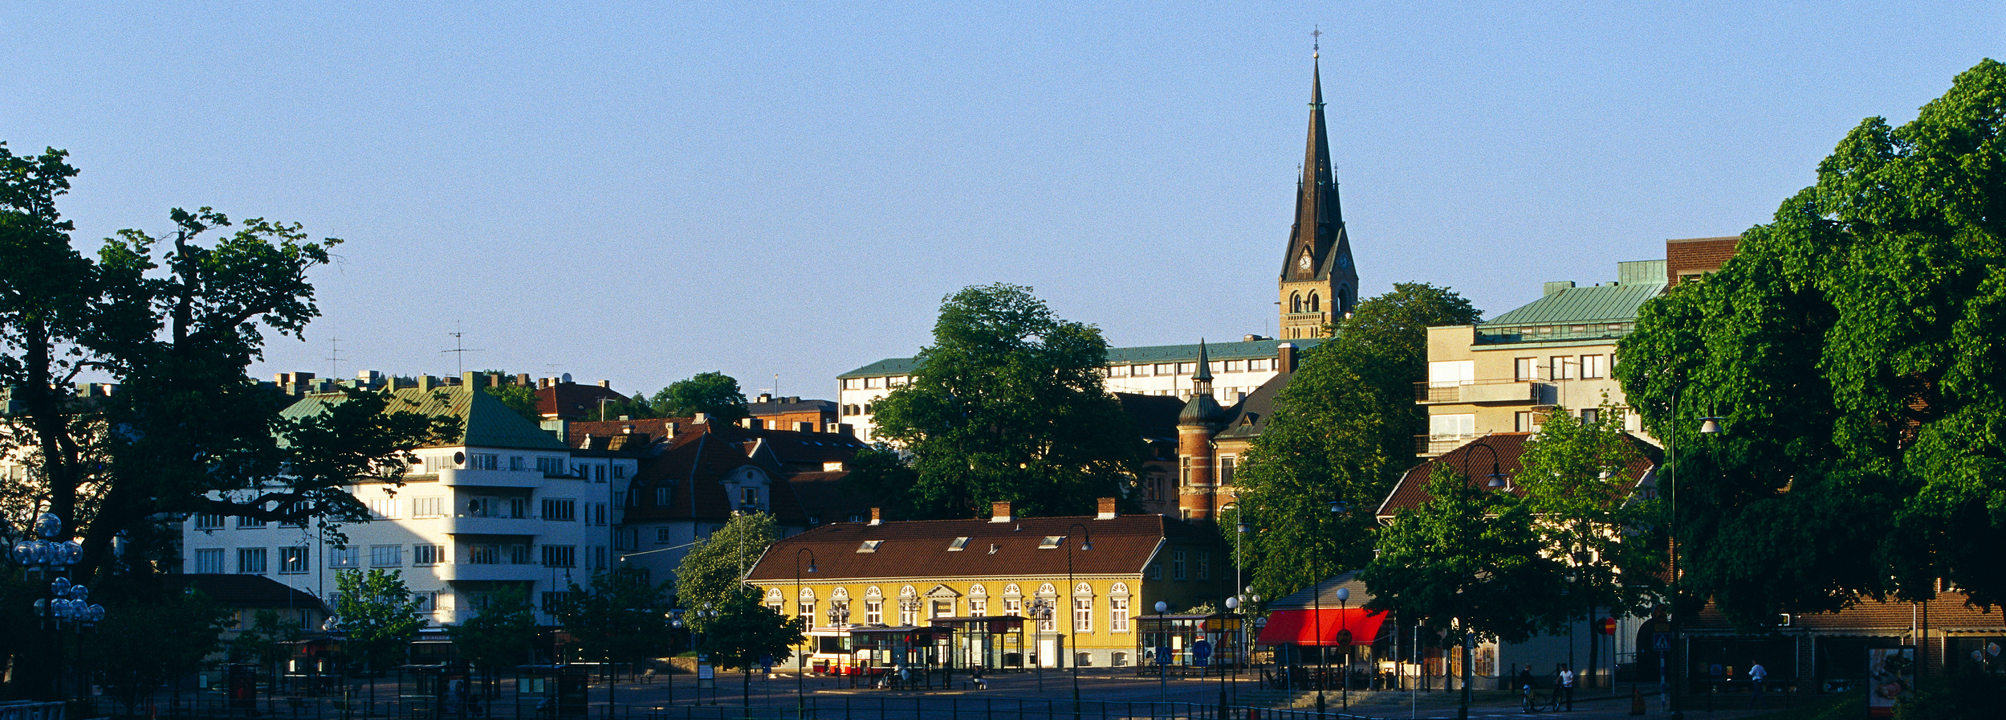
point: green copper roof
(1600, 304)
(484, 421)
(1123, 356)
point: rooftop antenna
(334, 358)
(459, 350)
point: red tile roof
(694, 464)
(1476, 464)
(1122, 545)
(572, 400)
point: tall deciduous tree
(1342, 432)
(1853, 346)
(152, 633)
(378, 615)
(1007, 404)
(714, 570)
(712, 393)
(501, 632)
(746, 632)
(174, 320)
(620, 618)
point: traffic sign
(1163, 654)
(1608, 625)
(1661, 642)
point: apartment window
(908, 612)
(386, 555)
(1590, 416)
(1117, 614)
(1204, 566)
(560, 509)
(484, 461)
(487, 554)
(1177, 565)
(1525, 422)
(251, 561)
(560, 556)
(292, 560)
(662, 535)
(424, 554)
(344, 557)
(943, 608)
(1452, 372)
(209, 562)
(1140, 370)
(1592, 367)
(1524, 369)
(598, 514)
(978, 607)
(619, 499)
(245, 522)
(1226, 470)
(748, 497)
(427, 601)
(661, 497)
(518, 507)
(1562, 367)
(619, 472)
(873, 383)
(1013, 606)
(1166, 369)
(553, 601)
(806, 611)
(598, 557)
(381, 508)
(1156, 571)
(1117, 371)
(428, 507)
(1233, 366)
(850, 384)
(515, 462)
(1083, 614)
(874, 612)
(1049, 623)
(1450, 427)
(550, 466)
(599, 473)
(208, 521)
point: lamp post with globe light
(66, 604)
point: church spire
(1318, 215)
(1319, 285)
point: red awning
(1295, 627)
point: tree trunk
(1594, 632)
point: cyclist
(1527, 703)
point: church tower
(1319, 285)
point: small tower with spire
(1201, 419)
(1319, 284)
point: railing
(25, 710)
(1481, 391)
(1432, 445)
(849, 707)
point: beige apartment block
(1556, 352)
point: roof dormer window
(870, 546)
(1051, 542)
(958, 545)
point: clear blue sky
(640, 192)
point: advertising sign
(1890, 677)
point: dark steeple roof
(1202, 409)
(1319, 222)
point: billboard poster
(1890, 677)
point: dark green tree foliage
(714, 570)
(266, 641)
(1576, 483)
(1468, 559)
(881, 467)
(520, 398)
(746, 632)
(501, 632)
(174, 320)
(620, 618)
(1854, 347)
(152, 633)
(378, 616)
(1007, 404)
(1342, 432)
(714, 393)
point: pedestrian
(1526, 701)
(1756, 676)
(1566, 686)
(976, 676)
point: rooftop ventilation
(959, 544)
(870, 546)
(1051, 542)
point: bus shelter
(991, 643)
(551, 691)
(431, 690)
(1185, 642)
(883, 652)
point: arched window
(1295, 302)
(1315, 303)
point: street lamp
(1497, 479)
(801, 658)
(1041, 610)
(675, 624)
(1344, 638)
(1073, 613)
(1162, 656)
(1232, 613)
(707, 615)
(65, 602)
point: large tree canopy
(1342, 432)
(1856, 347)
(174, 320)
(712, 393)
(1007, 404)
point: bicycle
(1530, 702)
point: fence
(879, 707)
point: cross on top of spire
(1316, 42)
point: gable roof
(694, 464)
(572, 400)
(1612, 303)
(1508, 448)
(247, 591)
(1247, 418)
(484, 421)
(1122, 545)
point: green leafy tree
(1853, 346)
(746, 632)
(174, 320)
(1576, 482)
(714, 393)
(152, 633)
(881, 467)
(520, 398)
(267, 641)
(501, 632)
(1342, 432)
(378, 615)
(1007, 404)
(621, 618)
(1467, 560)
(635, 407)
(714, 570)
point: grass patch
(1838, 706)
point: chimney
(792, 399)
(751, 424)
(471, 379)
(701, 418)
(999, 512)
(765, 397)
(522, 379)
(427, 383)
(831, 428)
(846, 429)
(806, 427)
(390, 383)
(624, 418)
(877, 516)
(1285, 353)
(1107, 509)
(608, 384)
(672, 428)
(494, 380)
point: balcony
(1305, 318)
(503, 572)
(494, 478)
(477, 525)
(1436, 445)
(1486, 391)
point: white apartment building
(1237, 369)
(507, 505)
